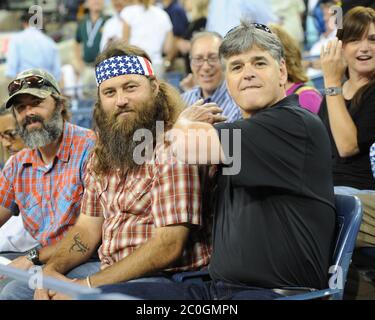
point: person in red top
(147, 214)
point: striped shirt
(221, 97)
(146, 198)
(48, 196)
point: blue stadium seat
(82, 113)
(349, 218)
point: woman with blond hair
(309, 97)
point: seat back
(349, 218)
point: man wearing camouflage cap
(45, 180)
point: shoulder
(81, 134)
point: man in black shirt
(274, 204)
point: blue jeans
(17, 290)
(208, 290)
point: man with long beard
(148, 216)
(45, 180)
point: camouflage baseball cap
(42, 90)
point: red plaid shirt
(148, 197)
(48, 196)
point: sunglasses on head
(29, 82)
(256, 25)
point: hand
(45, 294)
(209, 113)
(333, 63)
(20, 263)
(187, 83)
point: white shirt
(148, 29)
(112, 30)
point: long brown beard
(116, 135)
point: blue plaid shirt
(48, 196)
(221, 97)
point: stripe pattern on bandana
(122, 65)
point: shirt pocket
(32, 212)
(136, 196)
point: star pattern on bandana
(117, 66)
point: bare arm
(343, 129)
(5, 215)
(193, 136)
(78, 63)
(77, 246)
(126, 33)
(159, 252)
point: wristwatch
(33, 256)
(332, 91)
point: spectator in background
(198, 10)
(114, 27)
(208, 73)
(289, 14)
(348, 65)
(309, 97)
(180, 25)
(150, 28)
(44, 180)
(31, 48)
(13, 236)
(87, 46)
(313, 63)
(224, 15)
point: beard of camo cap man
(45, 180)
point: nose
(364, 45)
(249, 72)
(121, 100)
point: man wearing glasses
(14, 238)
(209, 75)
(45, 181)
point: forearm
(343, 129)
(151, 257)
(73, 250)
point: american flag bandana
(120, 65)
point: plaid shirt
(48, 196)
(147, 197)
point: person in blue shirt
(31, 48)
(208, 74)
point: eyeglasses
(29, 82)
(256, 25)
(9, 135)
(198, 62)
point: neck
(357, 80)
(288, 85)
(49, 152)
(94, 15)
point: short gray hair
(204, 34)
(244, 37)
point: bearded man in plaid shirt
(44, 181)
(147, 216)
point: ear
(283, 73)
(155, 86)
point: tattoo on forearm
(78, 245)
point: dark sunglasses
(29, 82)
(256, 25)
